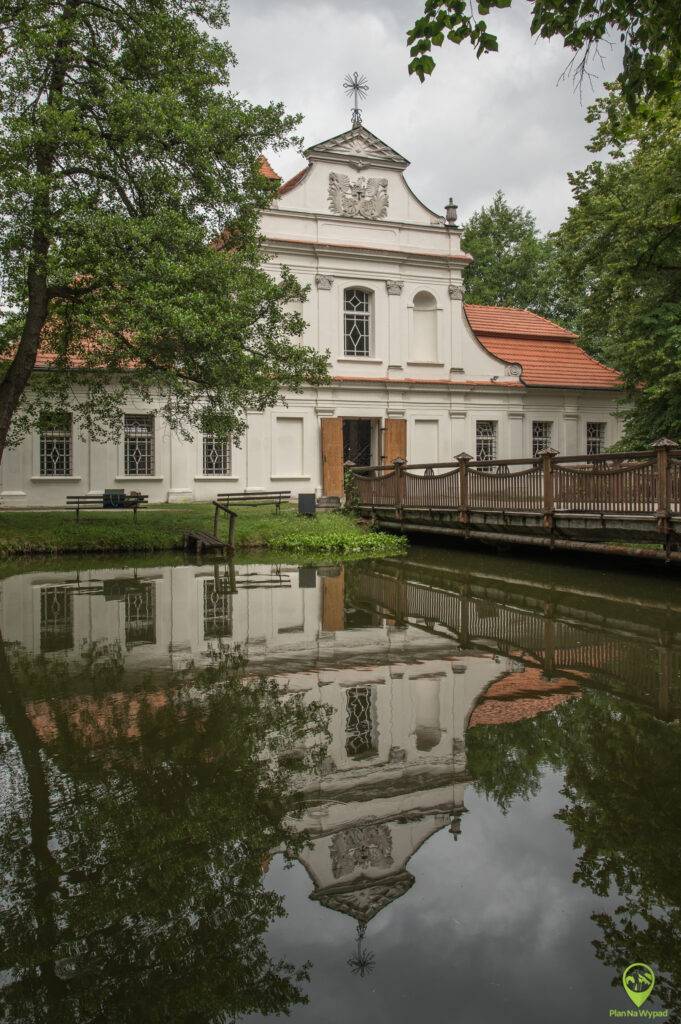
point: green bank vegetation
(162, 528)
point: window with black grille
(140, 615)
(217, 456)
(357, 322)
(56, 619)
(138, 445)
(360, 726)
(485, 440)
(55, 444)
(541, 436)
(217, 608)
(595, 438)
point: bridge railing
(614, 483)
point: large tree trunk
(46, 868)
(17, 377)
(16, 380)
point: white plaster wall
(455, 410)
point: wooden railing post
(464, 510)
(547, 457)
(232, 528)
(400, 485)
(664, 497)
(549, 641)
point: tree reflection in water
(134, 842)
(622, 786)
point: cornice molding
(296, 245)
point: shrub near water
(344, 543)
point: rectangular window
(360, 731)
(56, 619)
(541, 436)
(138, 445)
(357, 322)
(595, 438)
(485, 440)
(217, 456)
(55, 444)
(217, 608)
(140, 615)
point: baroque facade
(417, 373)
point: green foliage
(620, 258)
(651, 34)
(342, 542)
(134, 849)
(622, 790)
(351, 490)
(123, 154)
(162, 528)
(513, 265)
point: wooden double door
(336, 441)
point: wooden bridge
(628, 647)
(574, 502)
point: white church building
(416, 372)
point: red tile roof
(267, 169)
(504, 321)
(519, 696)
(547, 353)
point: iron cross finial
(356, 85)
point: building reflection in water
(408, 667)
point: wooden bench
(255, 498)
(114, 502)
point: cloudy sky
(506, 121)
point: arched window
(424, 341)
(357, 322)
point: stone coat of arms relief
(365, 197)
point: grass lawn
(161, 528)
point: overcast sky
(505, 121)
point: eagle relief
(366, 197)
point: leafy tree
(123, 155)
(513, 264)
(133, 857)
(620, 253)
(650, 32)
(622, 789)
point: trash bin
(307, 577)
(307, 504)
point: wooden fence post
(547, 456)
(399, 465)
(464, 511)
(664, 497)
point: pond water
(445, 787)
